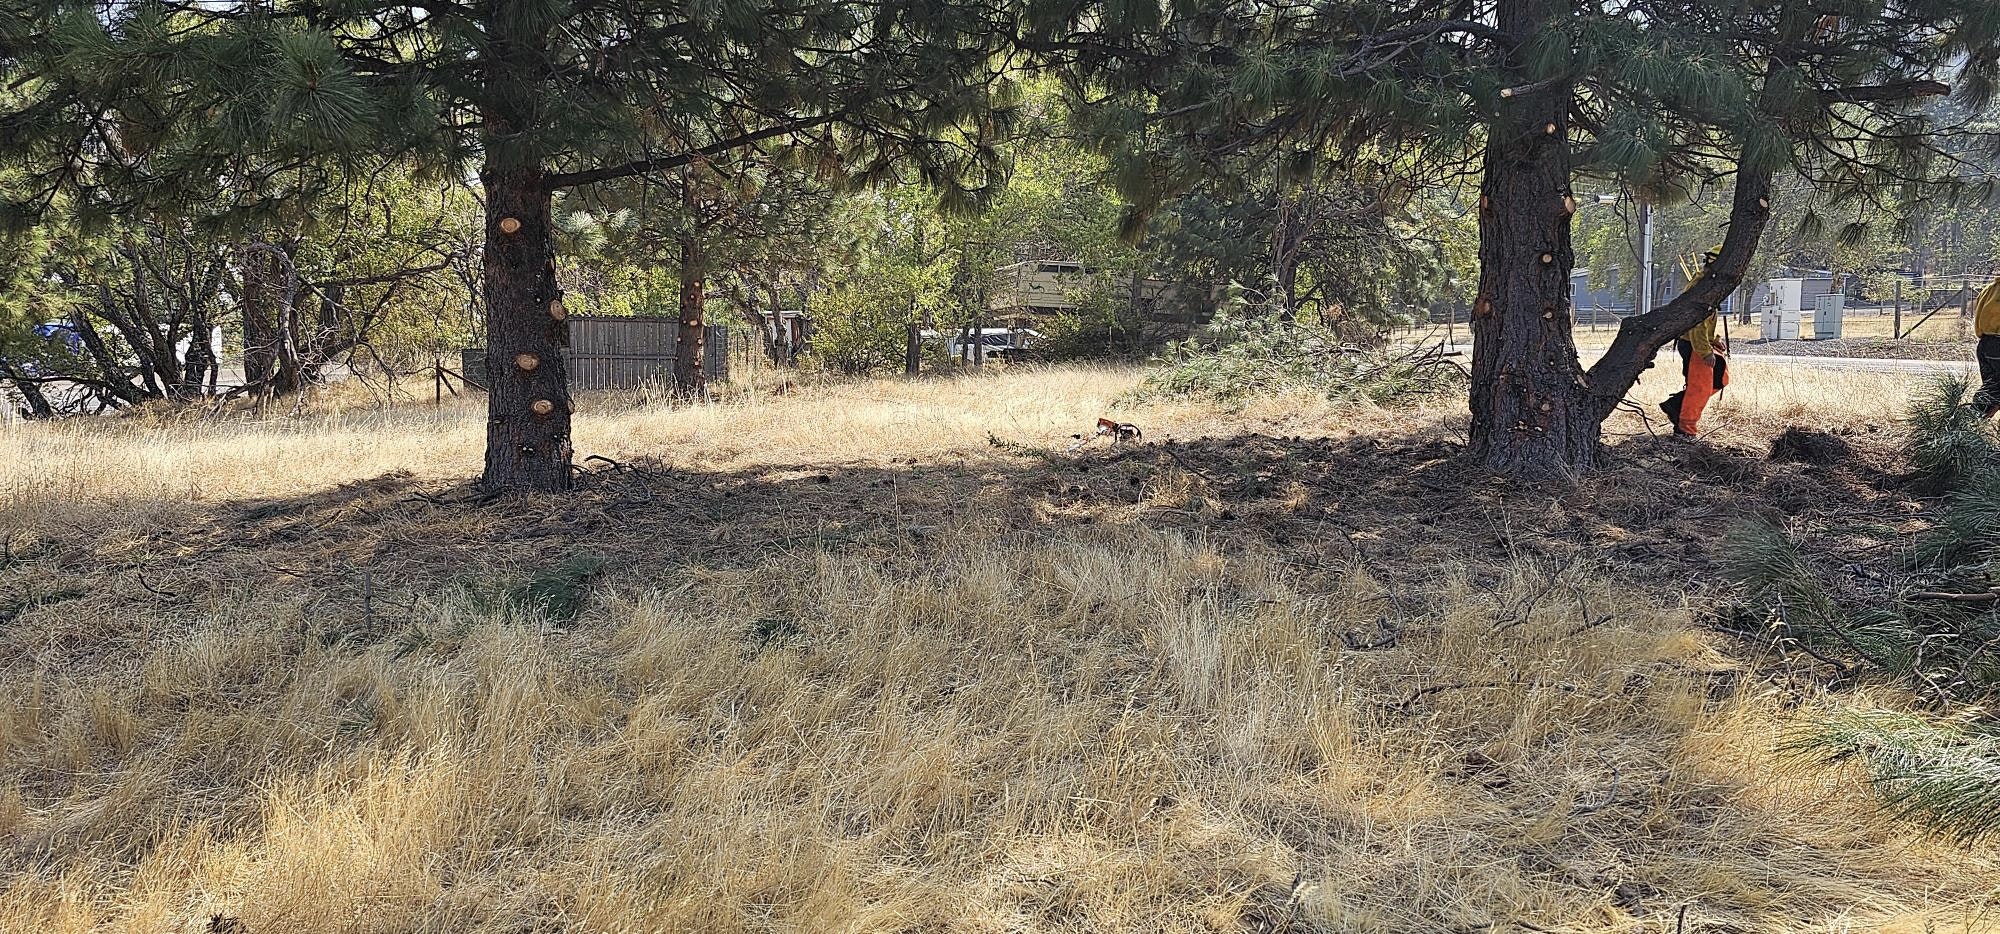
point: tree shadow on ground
(1411, 511)
(1405, 508)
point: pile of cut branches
(1248, 353)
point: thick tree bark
(290, 376)
(527, 399)
(690, 341)
(270, 324)
(528, 402)
(1532, 414)
(196, 363)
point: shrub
(557, 593)
(1948, 443)
(1246, 354)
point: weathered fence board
(623, 352)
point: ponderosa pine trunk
(1287, 239)
(690, 340)
(528, 402)
(199, 360)
(258, 273)
(1532, 412)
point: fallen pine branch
(1990, 596)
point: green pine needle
(1943, 775)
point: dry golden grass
(1763, 396)
(990, 721)
(194, 457)
(1945, 325)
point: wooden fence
(623, 352)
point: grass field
(888, 656)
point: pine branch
(1640, 337)
(1897, 91)
(561, 180)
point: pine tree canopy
(1662, 93)
(201, 102)
(225, 109)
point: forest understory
(906, 656)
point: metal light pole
(1645, 258)
(1645, 253)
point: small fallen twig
(1190, 468)
(1583, 609)
(1838, 665)
(155, 591)
(1387, 639)
(1525, 613)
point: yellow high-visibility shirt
(1702, 336)
(1986, 311)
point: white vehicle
(1001, 343)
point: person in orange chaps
(1704, 368)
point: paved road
(1853, 364)
(1860, 364)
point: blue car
(66, 334)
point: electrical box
(1780, 324)
(1828, 312)
(1788, 294)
